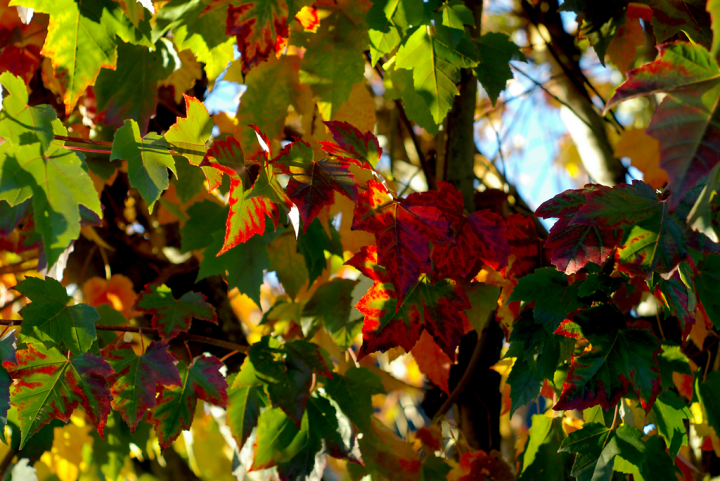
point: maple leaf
(312, 183)
(175, 408)
(189, 135)
(246, 397)
(671, 17)
(679, 298)
(350, 144)
(389, 322)
(50, 386)
(259, 26)
(644, 154)
(20, 122)
(8, 347)
(554, 297)
(403, 231)
(332, 64)
(134, 383)
(479, 238)
(331, 303)
(432, 361)
(495, 51)
(287, 371)
(619, 358)
(671, 414)
(388, 20)
(706, 285)
(172, 316)
(623, 46)
(541, 457)
(246, 217)
(684, 122)
(288, 263)
(148, 160)
(524, 244)
(130, 91)
(49, 319)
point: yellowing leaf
(644, 153)
(359, 110)
(185, 77)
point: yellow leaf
(569, 158)
(65, 457)
(185, 77)
(644, 154)
(351, 240)
(359, 109)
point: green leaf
(246, 397)
(188, 137)
(49, 319)
(707, 285)
(134, 384)
(288, 263)
(434, 468)
(130, 91)
(619, 358)
(496, 50)
(456, 15)
(190, 180)
(541, 459)
(708, 392)
(206, 218)
(21, 124)
(279, 439)
(80, 41)
(388, 20)
(314, 243)
(172, 316)
(148, 160)
(415, 107)
(671, 360)
(593, 461)
(200, 30)
(333, 62)
(646, 461)
(175, 408)
(50, 386)
(353, 392)
(434, 76)
(600, 21)
(525, 385)
(331, 303)
(251, 255)
(554, 297)
(670, 413)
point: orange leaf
(432, 361)
(623, 47)
(118, 292)
(644, 153)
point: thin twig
(183, 336)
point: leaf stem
(183, 336)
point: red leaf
(312, 183)
(350, 144)
(134, 384)
(479, 238)
(175, 407)
(20, 61)
(389, 322)
(260, 25)
(50, 386)
(247, 207)
(403, 231)
(172, 316)
(573, 246)
(525, 245)
(433, 362)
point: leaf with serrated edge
(172, 316)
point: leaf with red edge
(685, 124)
(50, 386)
(134, 384)
(188, 137)
(437, 307)
(679, 299)
(312, 182)
(433, 362)
(403, 231)
(260, 26)
(525, 246)
(653, 239)
(172, 316)
(175, 409)
(479, 238)
(247, 210)
(361, 149)
(619, 358)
